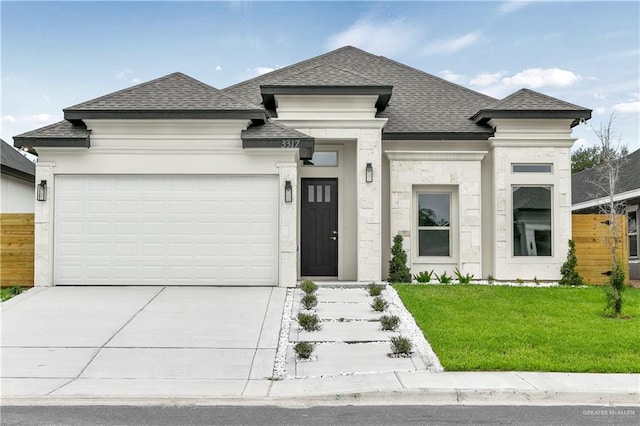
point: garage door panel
(174, 230)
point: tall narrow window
(632, 216)
(434, 224)
(532, 220)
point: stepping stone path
(351, 339)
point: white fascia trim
(532, 142)
(373, 123)
(602, 200)
(436, 155)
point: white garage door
(166, 230)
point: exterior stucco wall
(531, 142)
(165, 147)
(458, 172)
(17, 195)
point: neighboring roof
(275, 135)
(584, 184)
(532, 198)
(62, 133)
(15, 164)
(527, 103)
(422, 105)
(172, 96)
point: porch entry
(319, 227)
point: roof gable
(15, 164)
(172, 96)
(62, 133)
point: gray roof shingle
(271, 130)
(584, 184)
(420, 103)
(175, 92)
(62, 133)
(15, 164)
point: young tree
(399, 272)
(611, 158)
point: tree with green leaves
(568, 270)
(587, 157)
(399, 272)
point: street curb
(475, 397)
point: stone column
(288, 228)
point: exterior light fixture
(42, 191)
(369, 173)
(288, 192)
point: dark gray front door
(319, 227)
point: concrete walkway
(155, 345)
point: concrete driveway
(163, 341)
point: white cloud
(135, 80)
(627, 107)
(218, 68)
(450, 76)
(383, 38)
(539, 77)
(599, 95)
(120, 74)
(508, 7)
(600, 110)
(452, 45)
(262, 70)
(486, 79)
(30, 119)
(9, 118)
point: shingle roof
(584, 184)
(420, 103)
(325, 75)
(527, 103)
(175, 93)
(271, 130)
(62, 133)
(275, 135)
(15, 164)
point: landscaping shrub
(389, 322)
(444, 278)
(304, 349)
(423, 277)
(308, 287)
(379, 304)
(8, 292)
(463, 279)
(398, 270)
(374, 289)
(613, 291)
(401, 346)
(568, 269)
(308, 322)
(309, 301)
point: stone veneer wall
(411, 169)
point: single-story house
(307, 171)
(587, 197)
(17, 177)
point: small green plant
(374, 289)
(535, 280)
(304, 349)
(519, 280)
(309, 301)
(8, 292)
(399, 272)
(308, 287)
(308, 322)
(463, 279)
(490, 279)
(379, 304)
(444, 278)
(389, 322)
(423, 277)
(401, 346)
(568, 269)
(614, 290)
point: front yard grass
(493, 328)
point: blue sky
(57, 54)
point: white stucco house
(307, 171)
(17, 177)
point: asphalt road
(340, 415)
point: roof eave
(483, 116)
(479, 136)
(126, 114)
(19, 174)
(269, 91)
(52, 142)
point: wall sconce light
(42, 191)
(288, 192)
(369, 173)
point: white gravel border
(545, 284)
(415, 334)
(280, 363)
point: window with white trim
(632, 229)
(434, 224)
(532, 209)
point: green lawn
(492, 328)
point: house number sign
(290, 143)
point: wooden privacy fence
(16, 249)
(593, 246)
